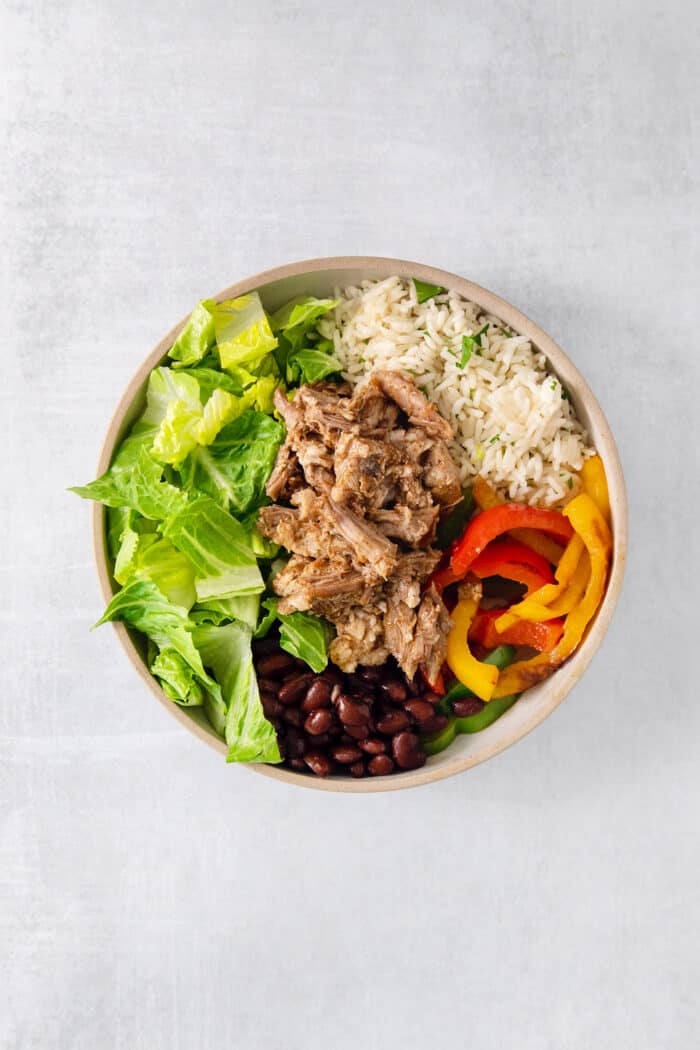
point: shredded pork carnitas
(361, 481)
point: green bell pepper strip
(500, 658)
(491, 712)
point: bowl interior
(321, 277)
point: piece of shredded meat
(360, 483)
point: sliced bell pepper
(493, 522)
(485, 497)
(540, 636)
(501, 656)
(438, 686)
(536, 606)
(513, 561)
(437, 742)
(480, 677)
(595, 484)
(591, 526)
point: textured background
(153, 153)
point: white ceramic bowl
(320, 277)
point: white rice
(513, 422)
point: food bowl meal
(359, 523)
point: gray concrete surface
(153, 898)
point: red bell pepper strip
(540, 636)
(493, 522)
(513, 561)
(438, 686)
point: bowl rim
(554, 689)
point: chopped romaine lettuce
(227, 652)
(296, 317)
(218, 611)
(172, 572)
(307, 637)
(309, 365)
(139, 486)
(166, 386)
(219, 548)
(142, 605)
(211, 379)
(301, 634)
(196, 338)
(234, 468)
(177, 679)
(243, 333)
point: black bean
(470, 705)
(318, 763)
(419, 710)
(298, 763)
(395, 690)
(317, 695)
(352, 713)
(357, 732)
(431, 697)
(393, 721)
(276, 664)
(357, 769)
(380, 765)
(373, 746)
(406, 751)
(294, 688)
(318, 721)
(436, 724)
(345, 754)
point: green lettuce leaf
(177, 679)
(267, 619)
(298, 316)
(196, 338)
(143, 606)
(218, 611)
(243, 333)
(138, 486)
(172, 572)
(306, 637)
(227, 651)
(218, 547)
(309, 365)
(211, 379)
(178, 433)
(234, 468)
(133, 543)
(140, 436)
(166, 386)
(301, 634)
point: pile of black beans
(364, 724)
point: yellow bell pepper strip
(485, 497)
(596, 485)
(536, 606)
(479, 677)
(591, 526)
